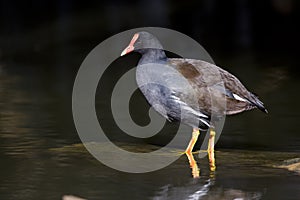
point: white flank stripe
(188, 108)
(203, 121)
(194, 111)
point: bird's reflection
(193, 165)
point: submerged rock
(291, 165)
(71, 197)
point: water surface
(40, 158)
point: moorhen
(174, 101)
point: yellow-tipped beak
(127, 50)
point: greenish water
(36, 129)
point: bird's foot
(194, 152)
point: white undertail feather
(237, 97)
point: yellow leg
(193, 141)
(189, 154)
(211, 151)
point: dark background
(43, 43)
(221, 27)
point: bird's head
(141, 41)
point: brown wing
(217, 90)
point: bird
(188, 90)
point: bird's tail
(257, 103)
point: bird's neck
(152, 56)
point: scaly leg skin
(211, 151)
(189, 153)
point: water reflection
(204, 190)
(195, 189)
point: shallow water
(37, 131)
